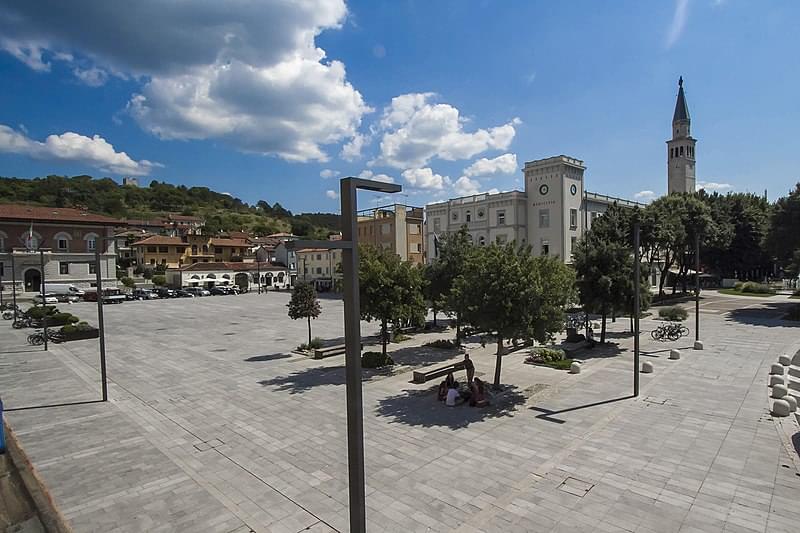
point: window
(2, 243)
(62, 244)
(480, 213)
(545, 247)
(205, 248)
(180, 249)
(501, 217)
(501, 239)
(217, 250)
(455, 216)
(437, 225)
(194, 249)
(163, 249)
(414, 229)
(63, 268)
(163, 261)
(91, 243)
(152, 261)
(2, 269)
(469, 215)
(319, 257)
(482, 240)
(573, 242)
(544, 218)
(386, 229)
(681, 150)
(573, 218)
(151, 249)
(92, 268)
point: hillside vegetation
(221, 211)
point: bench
(423, 376)
(322, 353)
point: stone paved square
(214, 424)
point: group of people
(450, 394)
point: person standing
(469, 366)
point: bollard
(575, 368)
(647, 367)
(2, 430)
(784, 360)
(674, 354)
(698, 345)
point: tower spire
(681, 109)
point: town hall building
(555, 209)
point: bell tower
(680, 149)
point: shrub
(39, 312)
(60, 319)
(793, 314)
(128, 282)
(375, 360)
(674, 313)
(444, 344)
(315, 343)
(756, 288)
(400, 337)
(147, 273)
(738, 285)
(80, 326)
(547, 355)
(159, 280)
(139, 270)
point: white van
(63, 289)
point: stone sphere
(775, 380)
(776, 368)
(792, 401)
(575, 368)
(647, 367)
(779, 391)
(674, 354)
(698, 345)
(780, 408)
(785, 360)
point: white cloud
(333, 195)
(466, 187)
(645, 196)
(504, 164)
(352, 149)
(329, 173)
(248, 73)
(93, 76)
(416, 130)
(678, 23)
(425, 178)
(93, 151)
(713, 186)
(379, 51)
(369, 175)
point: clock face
(573, 189)
(480, 214)
(543, 189)
(455, 216)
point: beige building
(397, 227)
(174, 252)
(680, 149)
(320, 266)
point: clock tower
(680, 149)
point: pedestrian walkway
(214, 425)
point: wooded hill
(221, 211)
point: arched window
(91, 241)
(205, 248)
(61, 241)
(482, 240)
(3, 238)
(681, 150)
(194, 249)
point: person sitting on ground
(470, 368)
(478, 398)
(453, 397)
(442, 394)
(450, 381)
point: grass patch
(400, 337)
(442, 344)
(673, 313)
(734, 292)
(560, 364)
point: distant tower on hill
(680, 149)
(133, 182)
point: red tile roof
(226, 265)
(186, 218)
(32, 213)
(159, 239)
(227, 242)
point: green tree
(783, 237)
(159, 280)
(390, 290)
(304, 304)
(455, 250)
(147, 273)
(512, 294)
(128, 282)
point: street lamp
(352, 335)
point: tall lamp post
(637, 280)
(352, 334)
(698, 345)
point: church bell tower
(680, 149)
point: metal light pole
(14, 284)
(258, 273)
(100, 322)
(637, 279)
(696, 289)
(44, 302)
(352, 335)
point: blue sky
(263, 99)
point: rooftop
(32, 213)
(227, 265)
(156, 240)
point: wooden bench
(423, 376)
(328, 351)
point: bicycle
(37, 338)
(669, 332)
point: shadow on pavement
(549, 414)
(421, 408)
(609, 349)
(268, 357)
(305, 380)
(49, 406)
(423, 355)
(769, 314)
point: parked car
(183, 293)
(64, 289)
(144, 294)
(218, 291)
(110, 296)
(48, 299)
(164, 292)
(68, 298)
(197, 291)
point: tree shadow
(768, 314)
(423, 355)
(618, 334)
(415, 407)
(267, 357)
(600, 351)
(304, 380)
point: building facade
(680, 149)
(247, 276)
(398, 228)
(322, 267)
(173, 252)
(65, 239)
